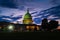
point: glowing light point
(10, 27)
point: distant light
(10, 27)
(58, 27)
(27, 27)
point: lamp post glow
(10, 27)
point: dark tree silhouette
(44, 24)
(53, 24)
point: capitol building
(27, 25)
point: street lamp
(10, 27)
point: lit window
(38, 28)
(27, 27)
(32, 27)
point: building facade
(26, 26)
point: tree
(53, 24)
(44, 24)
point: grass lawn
(29, 35)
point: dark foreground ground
(29, 35)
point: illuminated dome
(27, 15)
(27, 18)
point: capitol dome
(27, 18)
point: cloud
(7, 3)
(23, 4)
(51, 14)
(51, 17)
(55, 2)
(7, 19)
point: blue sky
(19, 7)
